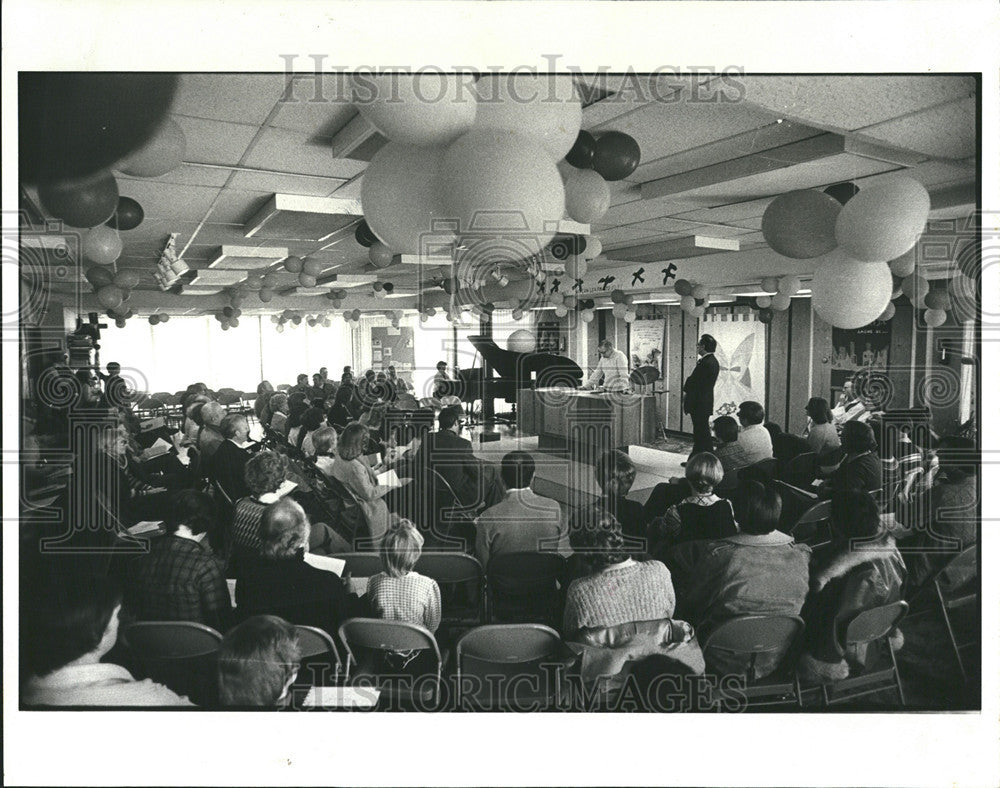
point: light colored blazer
(360, 481)
(522, 522)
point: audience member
(279, 581)
(276, 415)
(359, 478)
(759, 571)
(861, 468)
(400, 385)
(861, 570)
(264, 392)
(523, 521)
(702, 515)
(210, 436)
(68, 624)
(301, 436)
(753, 438)
(344, 409)
(325, 446)
(228, 463)
(257, 663)
(398, 593)
(614, 472)
(729, 451)
(785, 446)
(821, 432)
(180, 579)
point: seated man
(729, 452)
(69, 623)
(523, 521)
(210, 436)
(754, 439)
(257, 663)
(473, 481)
(757, 572)
(230, 458)
(615, 475)
(785, 445)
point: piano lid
(518, 366)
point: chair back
(319, 656)
(749, 640)
(385, 635)
(487, 655)
(361, 564)
(762, 471)
(229, 397)
(524, 586)
(959, 573)
(800, 470)
(179, 654)
(874, 623)
(808, 525)
(462, 581)
(285, 387)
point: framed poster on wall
(741, 352)
(645, 344)
(858, 349)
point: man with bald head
(210, 435)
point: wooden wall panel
(798, 390)
(675, 379)
(900, 365)
(776, 406)
(822, 342)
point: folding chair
(762, 471)
(509, 667)
(179, 654)
(525, 587)
(809, 527)
(800, 470)
(320, 664)
(373, 644)
(871, 629)
(229, 397)
(462, 581)
(745, 641)
(957, 587)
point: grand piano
(504, 372)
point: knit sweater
(620, 594)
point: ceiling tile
(292, 152)
(214, 141)
(947, 131)
(185, 175)
(235, 205)
(172, 202)
(316, 119)
(279, 182)
(241, 98)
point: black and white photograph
(517, 403)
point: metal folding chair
(525, 587)
(179, 654)
(319, 658)
(870, 628)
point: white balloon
(587, 315)
(769, 284)
(688, 303)
(401, 200)
(935, 317)
(849, 293)
(619, 310)
(522, 341)
(504, 185)
(699, 292)
(630, 317)
(546, 108)
(419, 109)
(789, 285)
(588, 196)
(883, 221)
(764, 302)
(594, 248)
(698, 312)
(780, 302)
(561, 311)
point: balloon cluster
(611, 156)
(694, 297)
(936, 301)
(112, 290)
(352, 317)
(158, 317)
(856, 231)
(337, 297)
(382, 289)
(624, 308)
(229, 317)
(320, 319)
(287, 317)
(308, 270)
(780, 290)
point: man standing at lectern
(612, 369)
(699, 397)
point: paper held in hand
(286, 487)
(388, 479)
(158, 449)
(326, 563)
(341, 697)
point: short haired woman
(358, 477)
(821, 432)
(278, 581)
(257, 663)
(861, 468)
(703, 514)
(264, 392)
(399, 593)
(276, 413)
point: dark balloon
(616, 155)
(842, 192)
(364, 235)
(74, 124)
(83, 203)
(388, 287)
(562, 246)
(128, 216)
(581, 155)
(765, 315)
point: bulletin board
(393, 347)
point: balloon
(883, 222)
(356, 314)
(904, 265)
(938, 299)
(561, 311)
(71, 125)
(630, 317)
(699, 292)
(127, 280)
(507, 182)
(576, 267)
(935, 317)
(164, 318)
(163, 153)
(389, 287)
(545, 108)
(560, 247)
(888, 312)
(297, 318)
(769, 284)
(237, 312)
(517, 314)
(127, 216)
(842, 192)
(588, 196)
(307, 281)
(780, 302)
(363, 233)
(789, 285)
(594, 248)
(109, 296)
(688, 303)
(280, 328)
(698, 312)
(617, 297)
(682, 287)
(582, 153)
(629, 299)
(154, 320)
(764, 302)
(224, 325)
(616, 155)
(569, 302)
(312, 267)
(265, 294)
(294, 264)
(120, 322)
(848, 293)
(416, 109)
(765, 315)
(98, 276)
(269, 280)
(401, 201)
(380, 255)
(800, 224)
(916, 288)
(587, 315)
(84, 203)
(102, 245)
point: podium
(585, 424)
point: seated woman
(345, 407)
(622, 609)
(702, 515)
(257, 663)
(821, 432)
(276, 413)
(861, 569)
(278, 581)
(399, 593)
(615, 474)
(264, 392)
(180, 579)
(351, 470)
(861, 468)
(265, 472)
(301, 436)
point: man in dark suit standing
(699, 396)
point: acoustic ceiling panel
(248, 258)
(299, 218)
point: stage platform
(572, 483)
